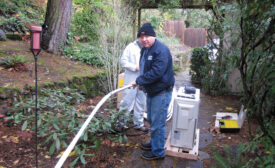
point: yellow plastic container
(120, 80)
(120, 84)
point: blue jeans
(157, 107)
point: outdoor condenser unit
(185, 117)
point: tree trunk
(56, 26)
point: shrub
(232, 157)
(200, 63)
(86, 53)
(89, 55)
(208, 74)
(16, 13)
(13, 24)
(257, 153)
(11, 62)
(7, 8)
(85, 19)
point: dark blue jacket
(158, 69)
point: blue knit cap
(146, 29)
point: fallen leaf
(14, 139)
(15, 162)
(72, 153)
(4, 137)
(7, 84)
(91, 106)
(229, 108)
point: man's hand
(134, 84)
(137, 68)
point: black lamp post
(36, 48)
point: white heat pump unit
(185, 117)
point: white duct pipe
(78, 135)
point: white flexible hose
(171, 105)
(78, 135)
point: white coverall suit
(133, 98)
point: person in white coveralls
(133, 98)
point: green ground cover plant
(59, 121)
(9, 62)
(14, 14)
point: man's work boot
(150, 156)
(146, 146)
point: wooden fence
(193, 37)
(174, 28)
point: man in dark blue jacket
(156, 80)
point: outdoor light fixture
(36, 39)
(36, 48)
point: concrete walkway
(182, 79)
